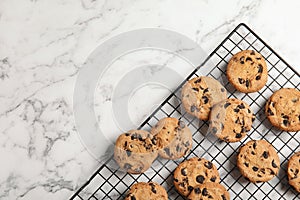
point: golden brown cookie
(231, 119)
(209, 191)
(147, 191)
(135, 151)
(193, 172)
(258, 161)
(293, 171)
(283, 109)
(199, 94)
(247, 71)
(173, 138)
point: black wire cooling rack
(108, 183)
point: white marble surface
(43, 44)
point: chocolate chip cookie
(173, 138)
(258, 161)
(193, 172)
(147, 191)
(208, 191)
(230, 120)
(293, 171)
(283, 109)
(247, 71)
(199, 94)
(135, 151)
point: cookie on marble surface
(230, 120)
(283, 109)
(146, 191)
(135, 151)
(293, 171)
(207, 191)
(247, 71)
(193, 172)
(258, 161)
(199, 94)
(173, 138)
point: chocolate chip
(252, 52)
(222, 126)
(254, 145)
(253, 118)
(236, 110)
(222, 90)
(247, 83)
(265, 154)
(254, 168)
(299, 117)
(205, 99)
(206, 90)
(154, 141)
(243, 130)
(196, 89)
(187, 144)
(272, 172)
(152, 188)
(252, 152)
(200, 179)
(295, 100)
(260, 68)
(127, 166)
(223, 197)
(132, 198)
(198, 80)
(274, 164)
(197, 190)
(127, 134)
(259, 58)
(257, 78)
(241, 81)
(214, 130)
(269, 111)
(246, 164)
(227, 104)
(285, 122)
(213, 179)
(128, 153)
(259, 175)
(218, 116)
(249, 111)
(193, 108)
(238, 135)
(190, 188)
(248, 59)
(208, 165)
(242, 60)
(204, 192)
(184, 172)
(285, 117)
(242, 106)
(178, 148)
(134, 136)
(176, 180)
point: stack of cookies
(136, 150)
